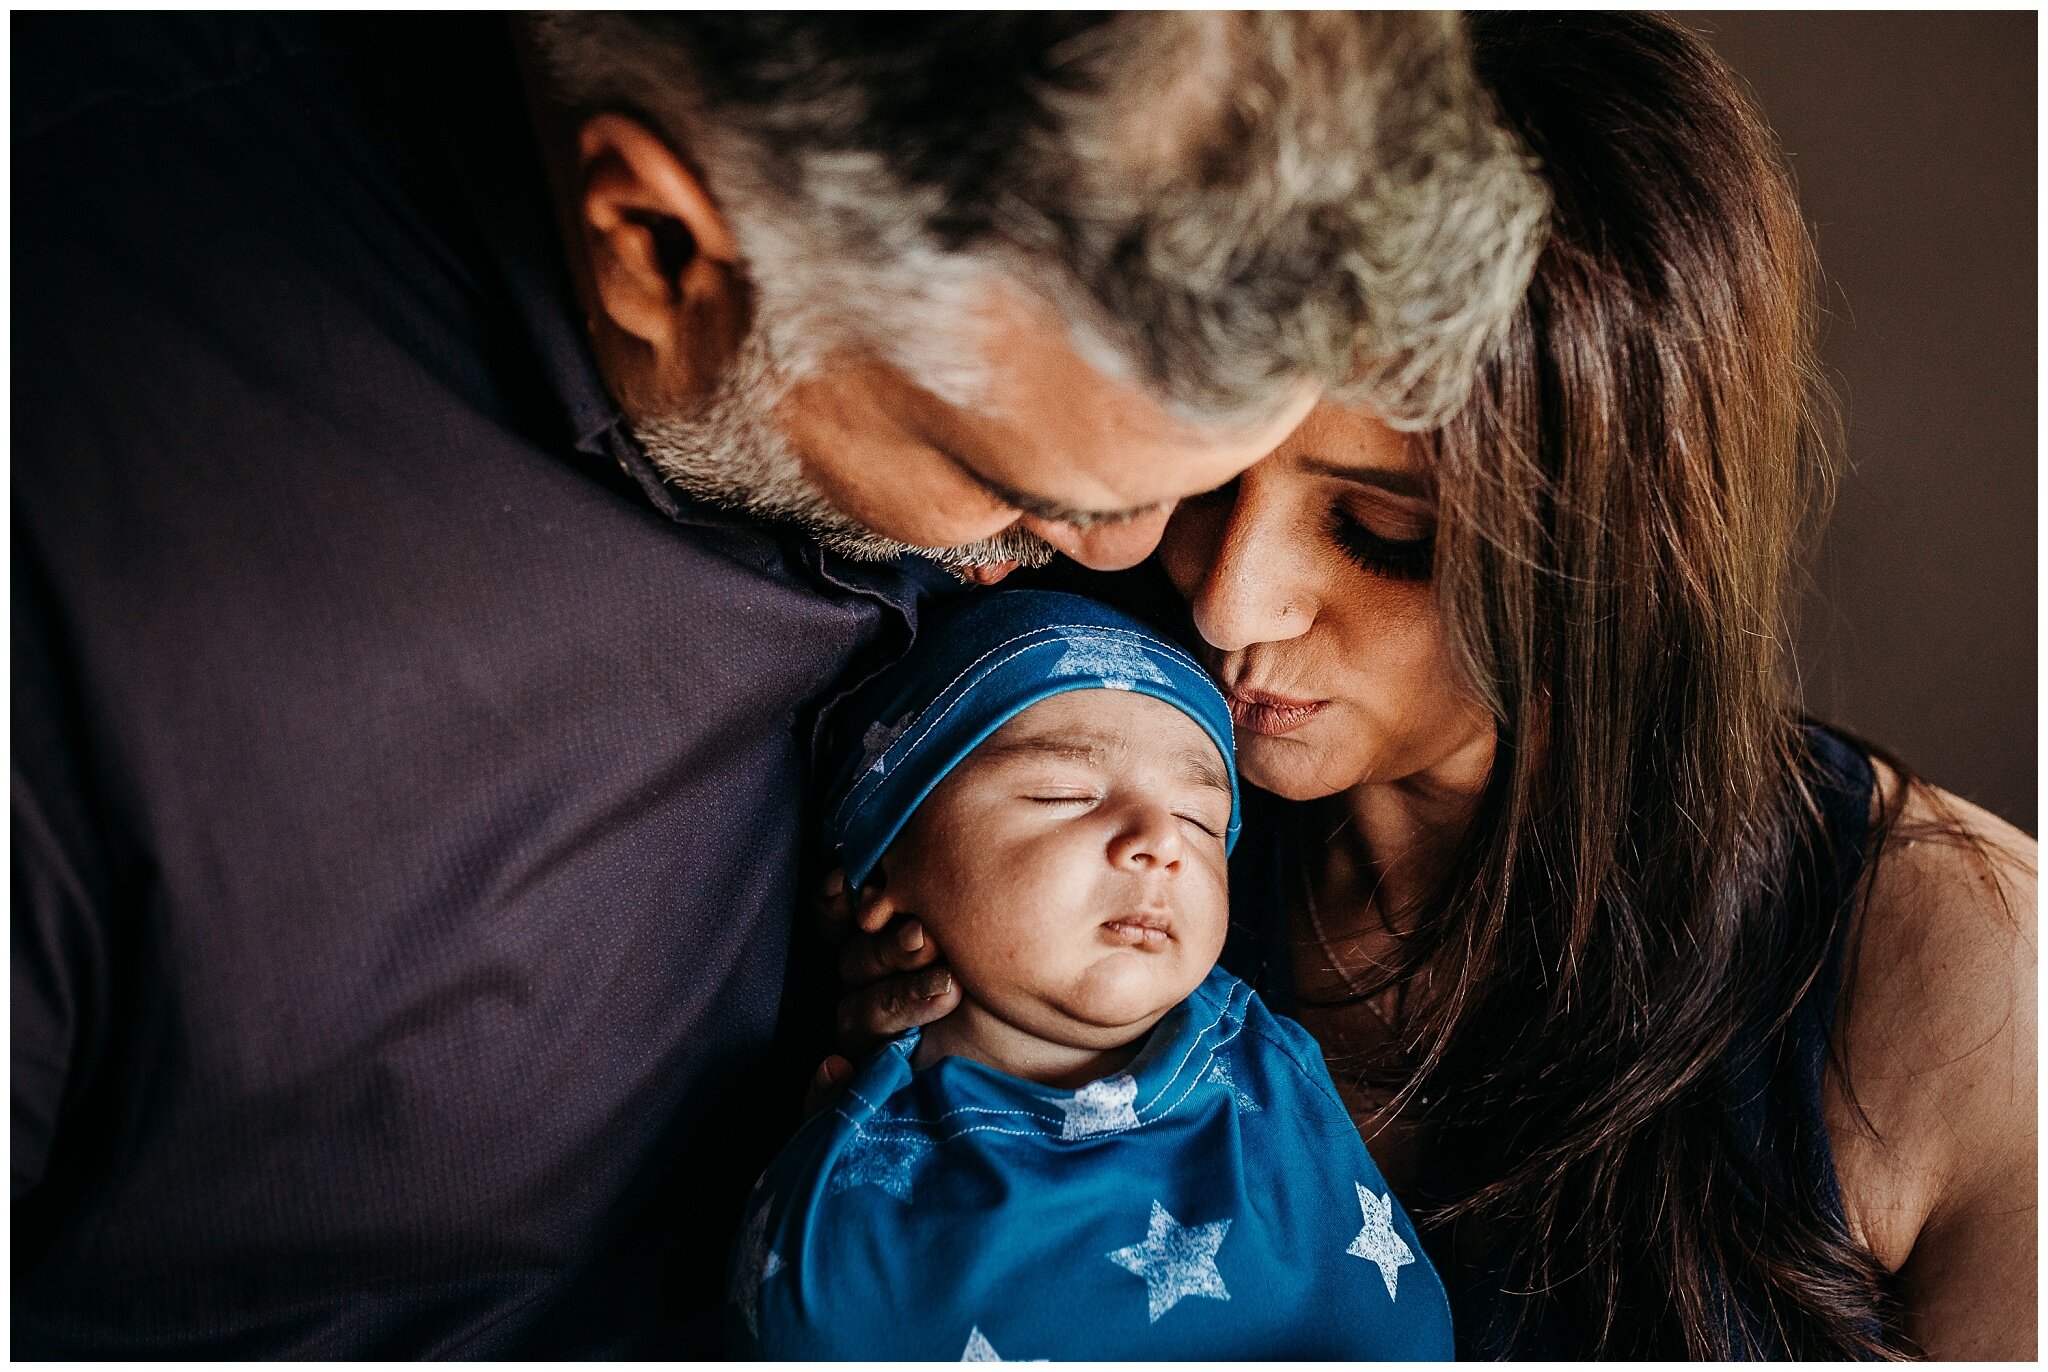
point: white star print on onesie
(1175, 1260)
(879, 1158)
(757, 1263)
(1220, 1075)
(1377, 1242)
(1100, 1107)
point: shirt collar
(492, 167)
(486, 149)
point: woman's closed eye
(1400, 558)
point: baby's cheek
(994, 945)
(1206, 922)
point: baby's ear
(895, 871)
(879, 900)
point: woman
(1683, 1029)
(1571, 890)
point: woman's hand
(895, 979)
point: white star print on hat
(1121, 665)
(878, 740)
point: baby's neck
(971, 1031)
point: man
(454, 474)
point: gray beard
(730, 454)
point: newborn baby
(1110, 1149)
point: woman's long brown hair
(1620, 508)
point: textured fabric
(1770, 1085)
(1212, 1201)
(977, 665)
(408, 789)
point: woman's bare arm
(1938, 1164)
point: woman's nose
(1248, 591)
(1149, 840)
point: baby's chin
(1125, 991)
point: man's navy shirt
(408, 789)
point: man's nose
(1104, 547)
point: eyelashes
(1399, 559)
(1090, 800)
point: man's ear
(663, 262)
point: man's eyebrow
(1414, 485)
(1039, 507)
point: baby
(1111, 1148)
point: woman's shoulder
(1942, 974)
(1935, 1132)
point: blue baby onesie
(1212, 1201)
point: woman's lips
(1262, 712)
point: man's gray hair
(1219, 205)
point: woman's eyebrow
(1414, 485)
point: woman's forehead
(1350, 436)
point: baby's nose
(1151, 840)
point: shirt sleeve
(59, 964)
(51, 917)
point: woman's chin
(1289, 768)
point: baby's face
(1072, 868)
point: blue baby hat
(974, 667)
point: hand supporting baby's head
(1048, 786)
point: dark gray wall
(1913, 139)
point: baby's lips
(1139, 931)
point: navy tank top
(1770, 1089)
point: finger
(887, 1008)
(827, 1083)
(903, 947)
(835, 905)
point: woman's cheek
(1188, 546)
(1393, 685)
